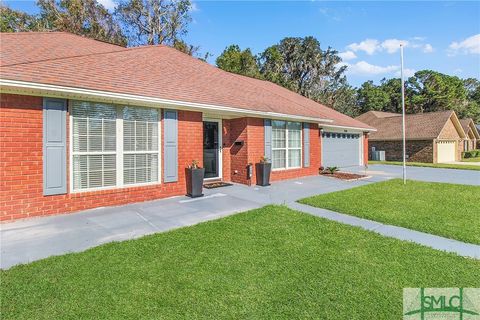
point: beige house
(471, 134)
(434, 137)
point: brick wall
(21, 165)
(238, 153)
(365, 149)
(417, 150)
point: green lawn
(270, 263)
(476, 159)
(448, 210)
(429, 165)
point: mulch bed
(344, 175)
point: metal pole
(403, 118)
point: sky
(442, 36)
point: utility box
(378, 155)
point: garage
(341, 149)
(445, 151)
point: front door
(211, 149)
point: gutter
(347, 127)
(54, 91)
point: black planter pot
(263, 170)
(195, 182)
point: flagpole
(403, 117)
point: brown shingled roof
(24, 47)
(422, 126)
(468, 124)
(157, 72)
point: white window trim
(119, 152)
(287, 148)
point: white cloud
(194, 7)
(406, 72)
(418, 38)
(368, 45)
(365, 68)
(393, 45)
(469, 45)
(347, 55)
(427, 48)
(108, 4)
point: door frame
(220, 147)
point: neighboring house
(434, 137)
(471, 134)
(86, 124)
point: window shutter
(54, 146)
(268, 139)
(170, 128)
(306, 145)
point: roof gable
(423, 126)
(469, 127)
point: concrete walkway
(426, 239)
(466, 163)
(38, 238)
(383, 172)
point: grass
(270, 263)
(476, 159)
(429, 165)
(447, 210)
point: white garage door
(445, 151)
(341, 149)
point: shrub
(471, 154)
(332, 170)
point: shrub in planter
(263, 170)
(194, 176)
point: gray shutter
(54, 146)
(268, 139)
(306, 145)
(170, 127)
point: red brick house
(434, 137)
(472, 136)
(87, 124)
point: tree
(18, 21)
(191, 50)
(233, 59)
(343, 99)
(302, 66)
(372, 97)
(393, 88)
(154, 21)
(434, 91)
(82, 17)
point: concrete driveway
(380, 171)
(37, 238)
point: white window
(286, 144)
(93, 145)
(104, 157)
(140, 145)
